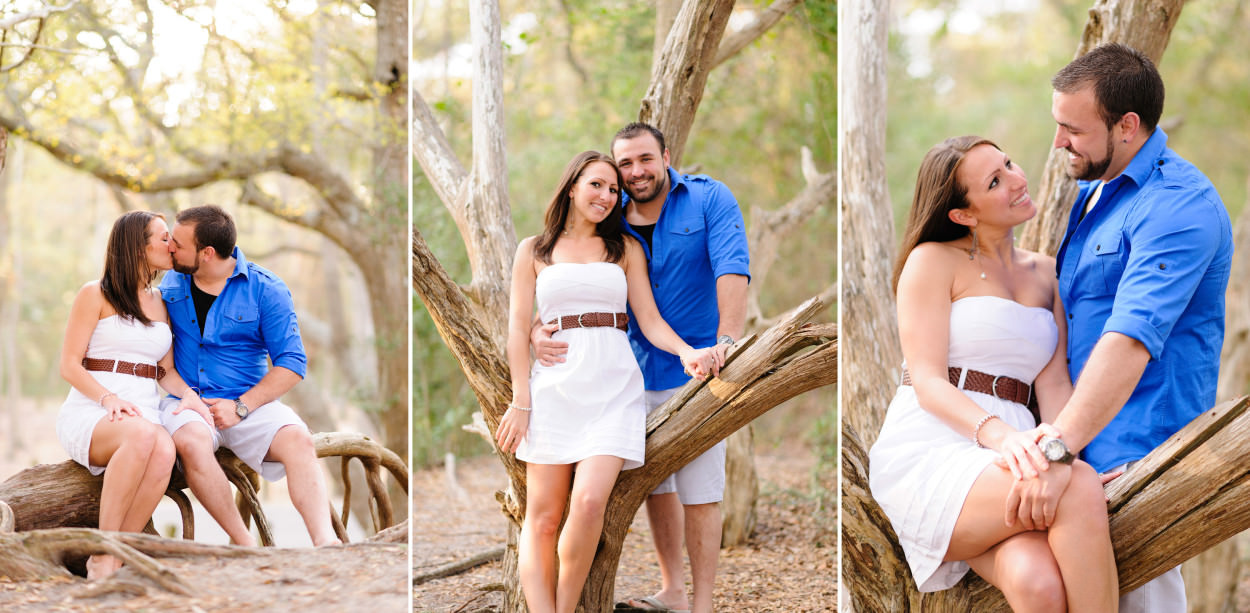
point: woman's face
(157, 250)
(997, 190)
(595, 193)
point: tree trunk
(742, 487)
(873, 361)
(1145, 25)
(10, 292)
(1184, 497)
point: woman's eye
(993, 182)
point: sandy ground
(789, 564)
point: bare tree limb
(764, 21)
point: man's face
(182, 246)
(1082, 132)
(643, 165)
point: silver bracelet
(105, 397)
(526, 409)
(976, 430)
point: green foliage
(994, 80)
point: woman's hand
(192, 402)
(699, 363)
(512, 429)
(1020, 453)
(117, 408)
(1034, 501)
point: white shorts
(249, 439)
(702, 481)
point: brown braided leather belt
(147, 371)
(619, 321)
(1006, 388)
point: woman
(588, 412)
(116, 349)
(983, 335)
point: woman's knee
(544, 523)
(1085, 493)
(1036, 582)
(163, 452)
(588, 504)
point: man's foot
(647, 603)
(100, 566)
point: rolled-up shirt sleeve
(280, 329)
(1171, 248)
(727, 236)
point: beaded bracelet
(976, 430)
(105, 396)
(526, 409)
(192, 388)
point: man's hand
(1034, 501)
(222, 412)
(548, 351)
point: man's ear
(1128, 126)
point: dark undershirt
(647, 232)
(203, 302)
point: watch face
(1053, 449)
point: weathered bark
(66, 495)
(874, 358)
(679, 72)
(1184, 497)
(738, 41)
(1145, 25)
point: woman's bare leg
(592, 483)
(1025, 570)
(124, 448)
(1079, 539)
(546, 492)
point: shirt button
(1163, 267)
(1097, 247)
(657, 286)
(1069, 316)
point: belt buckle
(994, 387)
(579, 320)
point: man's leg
(701, 487)
(208, 482)
(1162, 594)
(664, 515)
(293, 448)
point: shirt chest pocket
(239, 323)
(690, 228)
(1107, 253)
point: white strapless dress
(920, 470)
(592, 403)
(114, 338)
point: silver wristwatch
(241, 409)
(725, 339)
(1055, 450)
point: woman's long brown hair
(126, 266)
(609, 229)
(937, 193)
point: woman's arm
(1053, 385)
(84, 315)
(652, 324)
(515, 422)
(172, 382)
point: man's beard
(1096, 170)
(658, 185)
(186, 270)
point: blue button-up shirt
(252, 319)
(1151, 261)
(698, 237)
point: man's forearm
(1114, 368)
(731, 301)
(278, 381)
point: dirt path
(788, 565)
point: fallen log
(459, 566)
(1186, 496)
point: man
(1142, 273)
(228, 315)
(692, 231)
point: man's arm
(278, 381)
(1115, 366)
(731, 301)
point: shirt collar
(240, 263)
(1142, 164)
